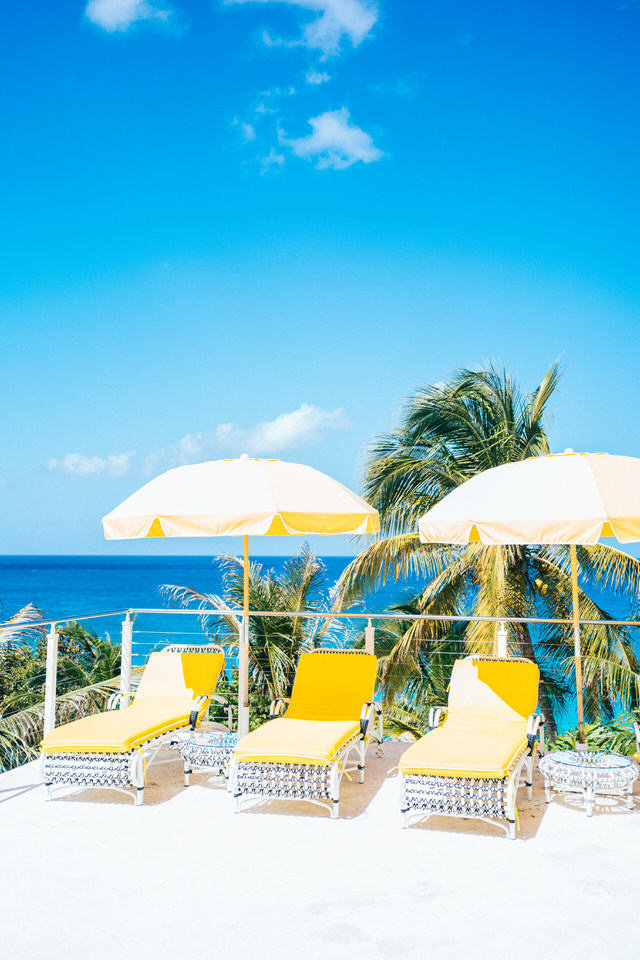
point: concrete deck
(91, 876)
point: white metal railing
(135, 649)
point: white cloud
(305, 425)
(335, 20)
(80, 465)
(247, 130)
(119, 15)
(335, 142)
(272, 159)
(315, 77)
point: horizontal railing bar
(32, 624)
(311, 614)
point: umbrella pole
(243, 651)
(575, 615)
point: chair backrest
(490, 691)
(332, 685)
(180, 674)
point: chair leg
(380, 748)
(362, 764)
(335, 790)
(47, 788)
(512, 829)
(529, 780)
(139, 796)
(187, 773)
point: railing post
(369, 637)
(126, 648)
(51, 681)
(501, 641)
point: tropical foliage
(617, 736)
(88, 671)
(448, 433)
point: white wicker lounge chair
(112, 749)
(471, 765)
(303, 754)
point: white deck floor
(91, 876)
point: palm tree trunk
(526, 646)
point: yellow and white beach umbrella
(241, 497)
(569, 498)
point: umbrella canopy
(561, 498)
(570, 498)
(242, 497)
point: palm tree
(87, 674)
(413, 677)
(84, 659)
(21, 731)
(449, 433)
(275, 643)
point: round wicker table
(208, 751)
(588, 773)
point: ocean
(71, 587)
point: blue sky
(260, 225)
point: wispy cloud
(316, 77)
(335, 20)
(80, 465)
(119, 15)
(335, 142)
(296, 428)
(273, 160)
(247, 130)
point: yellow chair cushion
(169, 674)
(332, 685)
(488, 693)
(163, 702)
(296, 741)
(119, 730)
(458, 751)
(486, 724)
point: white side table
(588, 773)
(208, 751)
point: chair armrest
(196, 707)
(535, 729)
(436, 715)
(277, 706)
(369, 709)
(116, 697)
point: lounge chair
(303, 754)
(112, 749)
(471, 765)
